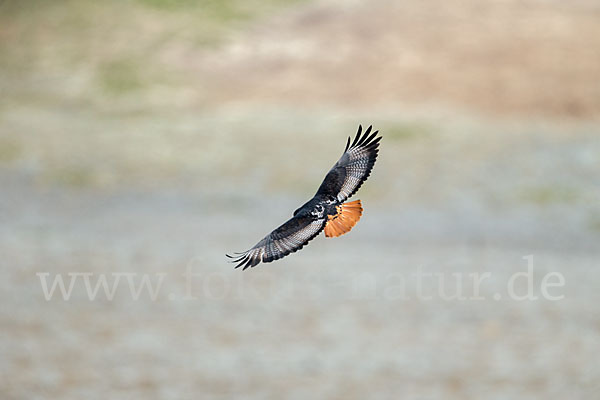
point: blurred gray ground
(151, 137)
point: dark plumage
(326, 210)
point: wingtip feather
(356, 138)
(347, 144)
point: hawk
(327, 210)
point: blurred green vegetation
(120, 76)
(9, 149)
(81, 79)
(65, 48)
(70, 176)
(594, 222)
(406, 131)
(548, 195)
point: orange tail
(347, 216)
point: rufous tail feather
(347, 216)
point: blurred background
(153, 136)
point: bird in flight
(327, 210)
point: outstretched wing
(288, 238)
(353, 168)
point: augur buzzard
(327, 210)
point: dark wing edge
(354, 166)
(288, 238)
